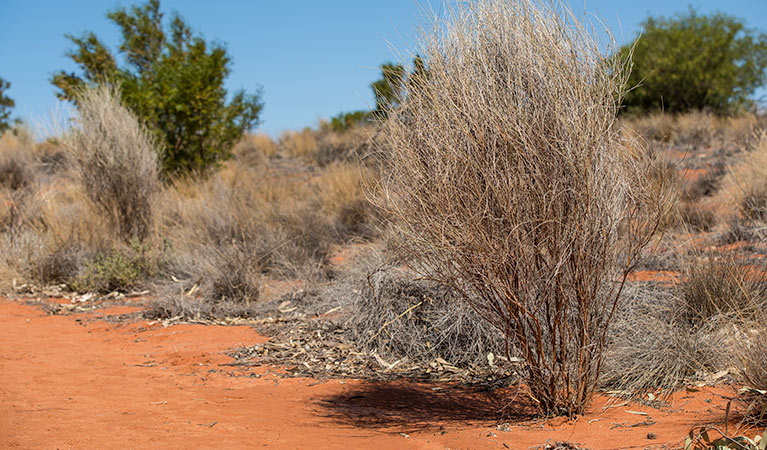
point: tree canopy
(173, 80)
(693, 61)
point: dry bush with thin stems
(509, 183)
(115, 159)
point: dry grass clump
(746, 184)
(255, 149)
(651, 348)
(663, 338)
(651, 127)
(299, 144)
(352, 145)
(115, 160)
(698, 129)
(720, 285)
(341, 196)
(508, 182)
(750, 357)
(401, 318)
(693, 218)
(695, 129)
(324, 146)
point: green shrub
(121, 269)
(347, 120)
(694, 61)
(6, 103)
(173, 81)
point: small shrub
(234, 275)
(507, 180)
(115, 161)
(121, 269)
(6, 103)
(345, 121)
(60, 264)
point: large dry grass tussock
(746, 183)
(508, 181)
(115, 160)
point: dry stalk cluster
(116, 161)
(508, 182)
(402, 319)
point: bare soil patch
(76, 381)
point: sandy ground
(80, 382)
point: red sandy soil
(75, 381)
(665, 276)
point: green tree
(173, 80)
(389, 89)
(6, 103)
(694, 61)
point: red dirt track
(73, 381)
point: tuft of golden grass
(255, 149)
(299, 144)
(746, 183)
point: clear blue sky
(313, 58)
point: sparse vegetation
(491, 222)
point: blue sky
(313, 58)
